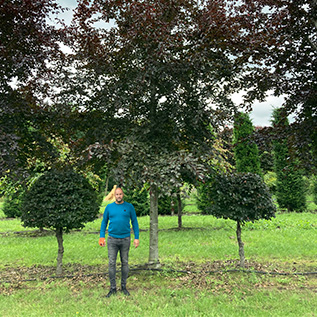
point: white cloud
(67, 15)
(261, 111)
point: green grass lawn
(205, 248)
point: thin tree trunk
(153, 254)
(107, 183)
(179, 210)
(241, 245)
(59, 237)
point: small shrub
(12, 204)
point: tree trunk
(241, 245)
(153, 254)
(59, 237)
(107, 183)
(179, 210)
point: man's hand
(102, 242)
(136, 243)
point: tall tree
(290, 189)
(245, 151)
(263, 139)
(154, 71)
(166, 70)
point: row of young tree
(143, 97)
(64, 200)
(289, 187)
(266, 153)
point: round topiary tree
(240, 197)
(61, 200)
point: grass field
(199, 275)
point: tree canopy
(167, 70)
(28, 46)
(284, 55)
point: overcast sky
(261, 114)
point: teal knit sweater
(118, 216)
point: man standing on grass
(119, 214)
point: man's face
(119, 196)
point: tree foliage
(284, 58)
(290, 188)
(28, 44)
(263, 139)
(59, 199)
(240, 197)
(27, 41)
(12, 204)
(139, 199)
(245, 150)
(315, 190)
(168, 68)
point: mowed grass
(287, 238)
(205, 248)
(160, 297)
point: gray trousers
(116, 245)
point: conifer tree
(246, 151)
(290, 188)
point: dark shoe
(112, 292)
(125, 291)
